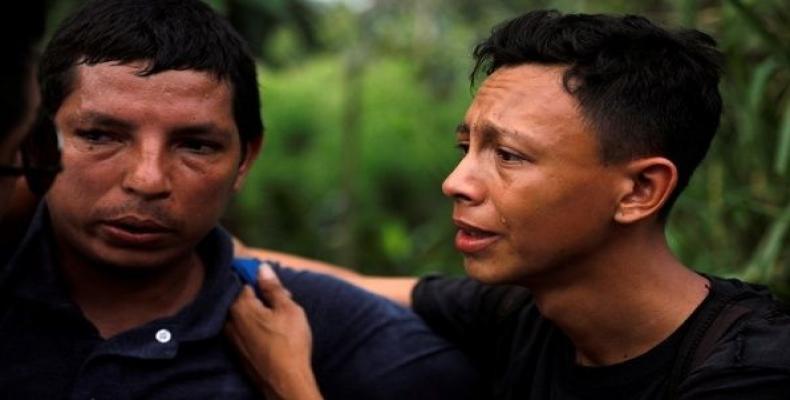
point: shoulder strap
(701, 338)
(728, 316)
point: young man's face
(531, 194)
(149, 164)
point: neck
(623, 300)
(116, 300)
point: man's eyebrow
(201, 129)
(104, 120)
(491, 133)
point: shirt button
(163, 336)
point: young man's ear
(648, 184)
(251, 153)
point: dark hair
(169, 34)
(646, 91)
(22, 29)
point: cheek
(84, 180)
(548, 211)
(201, 191)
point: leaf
(759, 81)
(769, 249)
(783, 144)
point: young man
(123, 284)
(575, 147)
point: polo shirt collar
(33, 275)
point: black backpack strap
(699, 342)
(728, 316)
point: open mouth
(476, 233)
(470, 239)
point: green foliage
(733, 220)
(404, 150)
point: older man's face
(150, 163)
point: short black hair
(22, 30)
(169, 35)
(645, 90)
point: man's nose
(148, 175)
(465, 184)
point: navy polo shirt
(364, 346)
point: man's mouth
(133, 231)
(470, 239)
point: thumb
(271, 288)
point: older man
(123, 283)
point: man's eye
(199, 146)
(508, 156)
(463, 147)
(95, 136)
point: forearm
(397, 289)
(305, 263)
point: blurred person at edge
(575, 147)
(28, 144)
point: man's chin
(479, 270)
(134, 261)
(489, 272)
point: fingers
(272, 289)
(246, 304)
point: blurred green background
(361, 98)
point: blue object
(247, 268)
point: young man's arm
(397, 289)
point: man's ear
(649, 182)
(251, 153)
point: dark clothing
(524, 356)
(365, 347)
